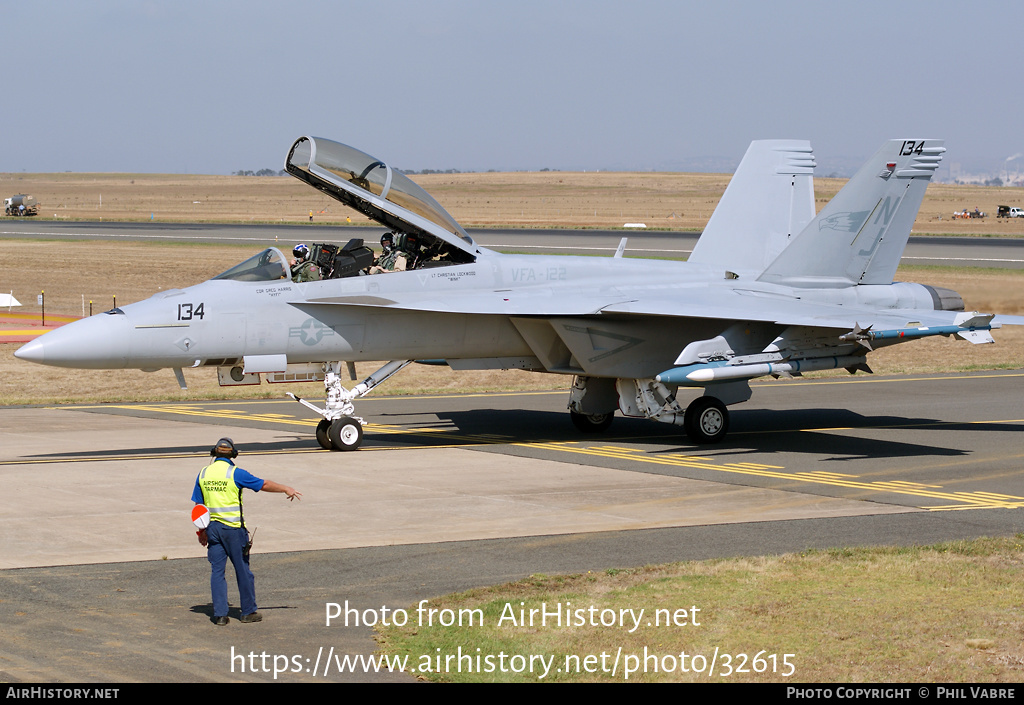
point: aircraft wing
(515, 302)
(685, 302)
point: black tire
(706, 420)
(346, 434)
(591, 423)
(322, 434)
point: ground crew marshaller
(219, 486)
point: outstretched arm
(271, 486)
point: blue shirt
(242, 478)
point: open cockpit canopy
(383, 194)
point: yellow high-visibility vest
(222, 496)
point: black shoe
(221, 621)
(250, 618)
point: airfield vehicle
(1010, 212)
(21, 205)
(966, 214)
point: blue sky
(214, 87)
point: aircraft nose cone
(97, 342)
(31, 351)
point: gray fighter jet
(772, 288)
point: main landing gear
(339, 429)
(591, 423)
(706, 420)
(592, 404)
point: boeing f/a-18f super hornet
(772, 288)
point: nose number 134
(186, 312)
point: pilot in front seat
(303, 269)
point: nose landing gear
(339, 429)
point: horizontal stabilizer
(1001, 320)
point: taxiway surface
(104, 581)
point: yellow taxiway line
(946, 501)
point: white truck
(21, 205)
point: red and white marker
(200, 516)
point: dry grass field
(520, 199)
(947, 613)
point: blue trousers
(225, 542)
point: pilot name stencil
(450, 276)
(274, 290)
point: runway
(104, 580)
(930, 250)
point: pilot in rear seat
(392, 259)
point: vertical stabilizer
(770, 199)
(858, 238)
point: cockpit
(269, 265)
(383, 194)
(427, 235)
